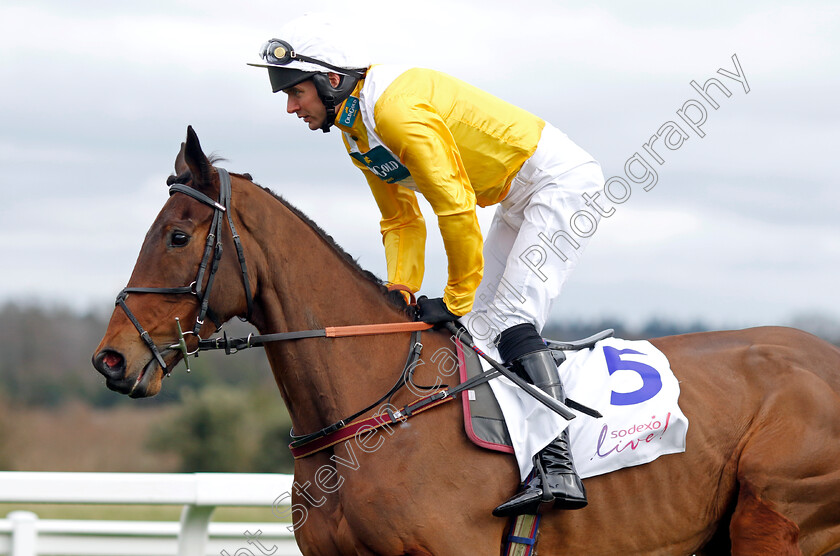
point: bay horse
(760, 475)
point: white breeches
(536, 238)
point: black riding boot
(553, 466)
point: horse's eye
(178, 239)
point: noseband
(211, 258)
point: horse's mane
(354, 263)
(394, 297)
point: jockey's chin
(313, 122)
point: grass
(137, 512)
(79, 438)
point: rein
(349, 427)
(232, 345)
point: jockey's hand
(434, 311)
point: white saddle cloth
(629, 382)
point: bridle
(212, 257)
(307, 444)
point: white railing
(23, 534)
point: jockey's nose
(110, 364)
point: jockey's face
(304, 102)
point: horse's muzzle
(111, 365)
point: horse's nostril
(110, 363)
(112, 359)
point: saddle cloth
(629, 382)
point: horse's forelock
(182, 178)
(185, 177)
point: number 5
(651, 381)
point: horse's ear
(180, 162)
(196, 160)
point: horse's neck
(304, 283)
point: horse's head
(180, 279)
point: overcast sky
(741, 228)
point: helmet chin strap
(329, 120)
(331, 96)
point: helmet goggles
(280, 53)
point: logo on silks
(383, 164)
(350, 111)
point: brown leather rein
(335, 432)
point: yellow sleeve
(403, 230)
(422, 141)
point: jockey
(412, 130)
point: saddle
(483, 420)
